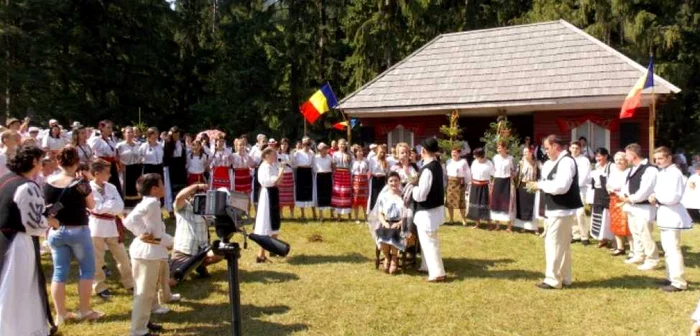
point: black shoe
(574, 241)
(203, 275)
(617, 253)
(105, 294)
(154, 327)
(585, 242)
(671, 289)
(543, 285)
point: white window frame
(589, 134)
(402, 130)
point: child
(324, 179)
(360, 183)
(197, 164)
(105, 228)
(149, 251)
(221, 167)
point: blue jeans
(75, 241)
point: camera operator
(191, 237)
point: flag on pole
(319, 103)
(634, 98)
(340, 125)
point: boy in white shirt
(105, 230)
(149, 251)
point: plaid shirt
(191, 232)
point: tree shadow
(262, 276)
(219, 318)
(690, 259)
(302, 259)
(482, 268)
(623, 282)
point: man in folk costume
(671, 217)
(430, 210)
(640, 213)
(561, 198)
(581, 230)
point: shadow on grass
(218, 316)
(465, 268)
(690, 259)
(302, 259)
(623, 282)
(264, 276)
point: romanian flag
(319, 103)
(341, 125)
(634, 98)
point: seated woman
(389, 224)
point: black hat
(430, 145)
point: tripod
(232, 251)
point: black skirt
(178, 174)
(525, 205)
(500, 201)
(273, 193)
(324, 188)
(131, 174)
(479, 202)
(376, 184)
(153, 169)
(114, 179)
(256, 186)
(304, 185)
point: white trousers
(581, 229)
(430, 251)
(644, 245)
(675, 268)
(146, 274)
(557, 251)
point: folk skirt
(131, 174)
(341, 196)
(195, 178)
(455, 193)
(479, 202)
(360, 190)
(221, 178)
(618, 218)
(242, 180)
(500, 199)
(286, 189)
(376, 185)
(304, 188)
(324, 189)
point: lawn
(330, 287)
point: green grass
(332, 288)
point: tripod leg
(234, 292)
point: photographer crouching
(191, 238)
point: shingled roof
(529, 65)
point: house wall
(539, 124)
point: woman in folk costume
(502, 194)
(24, 304)
(479, 196)
(458, 177)
(53, 141)
(152, 153)
(267, 221)
(303, 161)
(221, 161)
(388, 221)
(175, 163)
(323, 181)
(256, 152)
(241, 163)
(407, 170)
(378, 169)
(105, 149)
(286, 186)
(341, 197)
(130, 164)
(600, 213)
(360, 183)
(197, 164)
(79, 141)
(617, 178)
(528, 171)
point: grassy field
(330, 287)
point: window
(596, 135)
(400, 134)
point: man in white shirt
(430, 210)
(149, 251)
(671, 217)
(691, 196)
(8, 139)
(640, 213)
(561, 198)
(581, 231)
(256, 154)
(372, 152)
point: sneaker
(634, 260)
(160, 310)
(105, 294)
(647, 266)
(175, 297)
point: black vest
(634, 181)
(10, 217)
(571, 199)
(436, 195)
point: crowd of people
(75, 188)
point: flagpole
(348, 127)
(304, 126)
(652, 124)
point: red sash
(117, 220)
